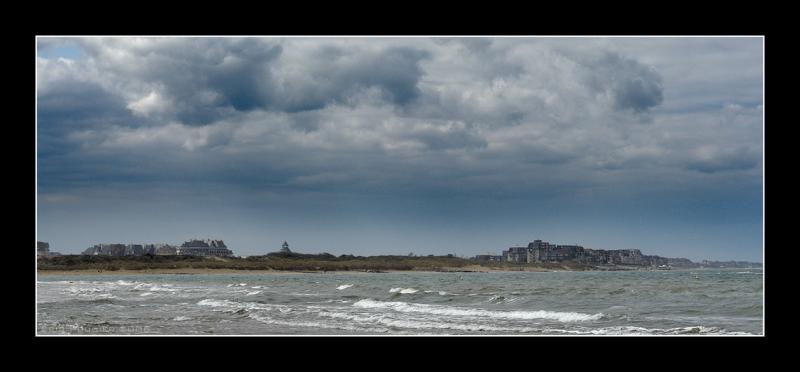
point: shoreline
(194, 271)
(205, 271)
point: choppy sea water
(698, 302)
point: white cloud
(153, 103)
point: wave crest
(406, 307)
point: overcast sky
(397, 145)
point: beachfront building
(134, 250)
(516, 254)
(206, 247)
(165, 250)
(42, 249)
(541, 251)
(628, 257)
(148, 249)
(285, 248)
(190, 248)
(106, 250)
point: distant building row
(541, 251)
(43, 250)
(193, 247)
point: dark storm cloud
(373, 114)
(632, 85)
(338, 74)
(477, 44)
(79, 103)
(70, 106)
(437, 140)
(726, 160)
(203, 79)
(200, 80)
(243, 78)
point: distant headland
(544, 252)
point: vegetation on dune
(272, 261)
(289, 261)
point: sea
(700, 302)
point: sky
(398, 145)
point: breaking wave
(241, 307)
(441, 293)
(631, 330)
(421, 324)
(406, 307)
(403, 290)
(269, 320)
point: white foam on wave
(631, 330)
(269, 320)
(382, 319)
(73, 282)
(233, 305)
(216, 303)
(78, 290)
(502, 300)
(406, 307)
(253, 293)
(91, 293)
(703, 330)
(156, 288)
(403, 290)
(181, 318)
(101, 296)
(335, 300)
(344, 286)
